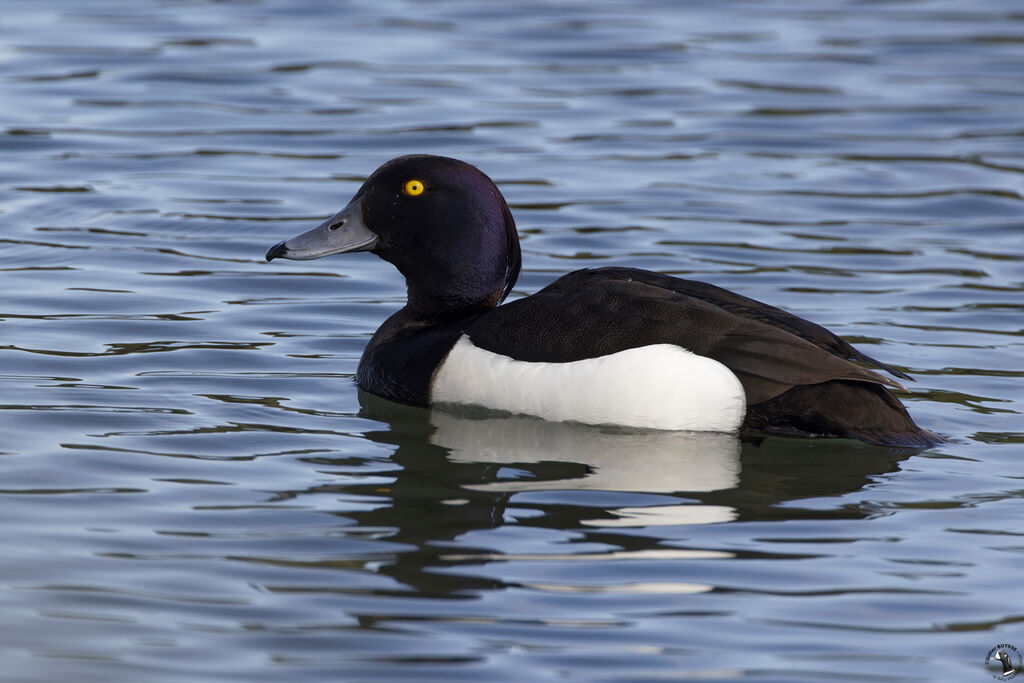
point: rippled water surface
(191, 487)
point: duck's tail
(841, 408)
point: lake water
(192, 489)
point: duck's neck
(449, 295)
(427, 310)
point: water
(192, 488)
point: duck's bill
(344, 231)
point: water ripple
(861, 168)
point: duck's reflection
(462, 473)
(645, 461)
(615, 460)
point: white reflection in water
(642, 461)
(661, 515)
(649, 587)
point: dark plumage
(454, 239)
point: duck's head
(1004, 658)
(440, 221)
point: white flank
(660, 386)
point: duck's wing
(591, 313)
(756, 310)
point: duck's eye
(413, 188)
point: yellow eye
(413, 188)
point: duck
(615, 345)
